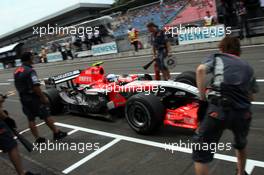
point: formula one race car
(146, 103)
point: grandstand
(69, 16)
(197, 9)
(140, 16)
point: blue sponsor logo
(104, 49)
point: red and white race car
(146, 104)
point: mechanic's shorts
(161, 55)
(33, 108)
(7, 141)
(211, 129)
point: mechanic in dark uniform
(33, 101)
(7, 142)
(229, 98)
(161, 50)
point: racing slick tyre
(144, 113)
(188, 77)
(55, 104)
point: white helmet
(111, 78)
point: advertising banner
(201, 34)
(1, 66)
(53, 57)
(104, 49)
(86, 53)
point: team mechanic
(33, 101)
(229, 97)
(7, 142)
(161, 50)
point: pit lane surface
(121, 150)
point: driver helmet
(111, 78)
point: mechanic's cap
(26, 56)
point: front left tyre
(144, 113)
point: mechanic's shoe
(30, 173)
(60, 135)
(40, 140)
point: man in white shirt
(208, 19)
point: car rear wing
(67, 78)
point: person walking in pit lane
(161, 50)
(33, 100)
(7, 142)
(229, 99)
(133, 34)
(43, 55)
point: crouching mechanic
(34, 102)
(7, 142)
(229, 97)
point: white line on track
(10, 80)
(250, 162)
(26, 130)
(90, 156)
(257, 103)
(260, 80)
(5, 84)
(72, 132)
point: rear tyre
(55, 103)
(144, 113)
(188, 77)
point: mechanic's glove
(203, 105)
(10, 123)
